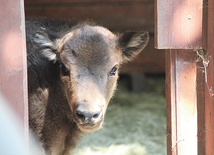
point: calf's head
(89, 58)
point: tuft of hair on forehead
(87, 37)
(91, 28)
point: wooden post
(13, 68)
(186, 28)
(181, 97)
(209, 82)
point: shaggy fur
(72, 74)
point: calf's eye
(113, 71)
(64, 71)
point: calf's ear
(47, 46)
(132, 43)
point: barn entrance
(183, 31)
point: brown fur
(72, 75)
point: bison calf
(72, 75)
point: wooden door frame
(189, 75)
(13, 64)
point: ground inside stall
(135, 123)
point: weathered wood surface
(181, 95)
(13, 68)
(209, 82)
(189, 74)
(179, 24)
(116, 15)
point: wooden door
(185, 29)
(13, 68)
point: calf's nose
(89, 116)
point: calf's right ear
(132, 43)
(47, 46)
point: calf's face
(89, 58)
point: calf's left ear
(132, 43)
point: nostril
(86, 114)
(83, 115)
(80, 114)
(97, 115)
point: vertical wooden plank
(209, 83)
(186, 98)
(205, 85)
(181, 102)
(179, 24)
(171, 102)
(201, 106)
(13, 72)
